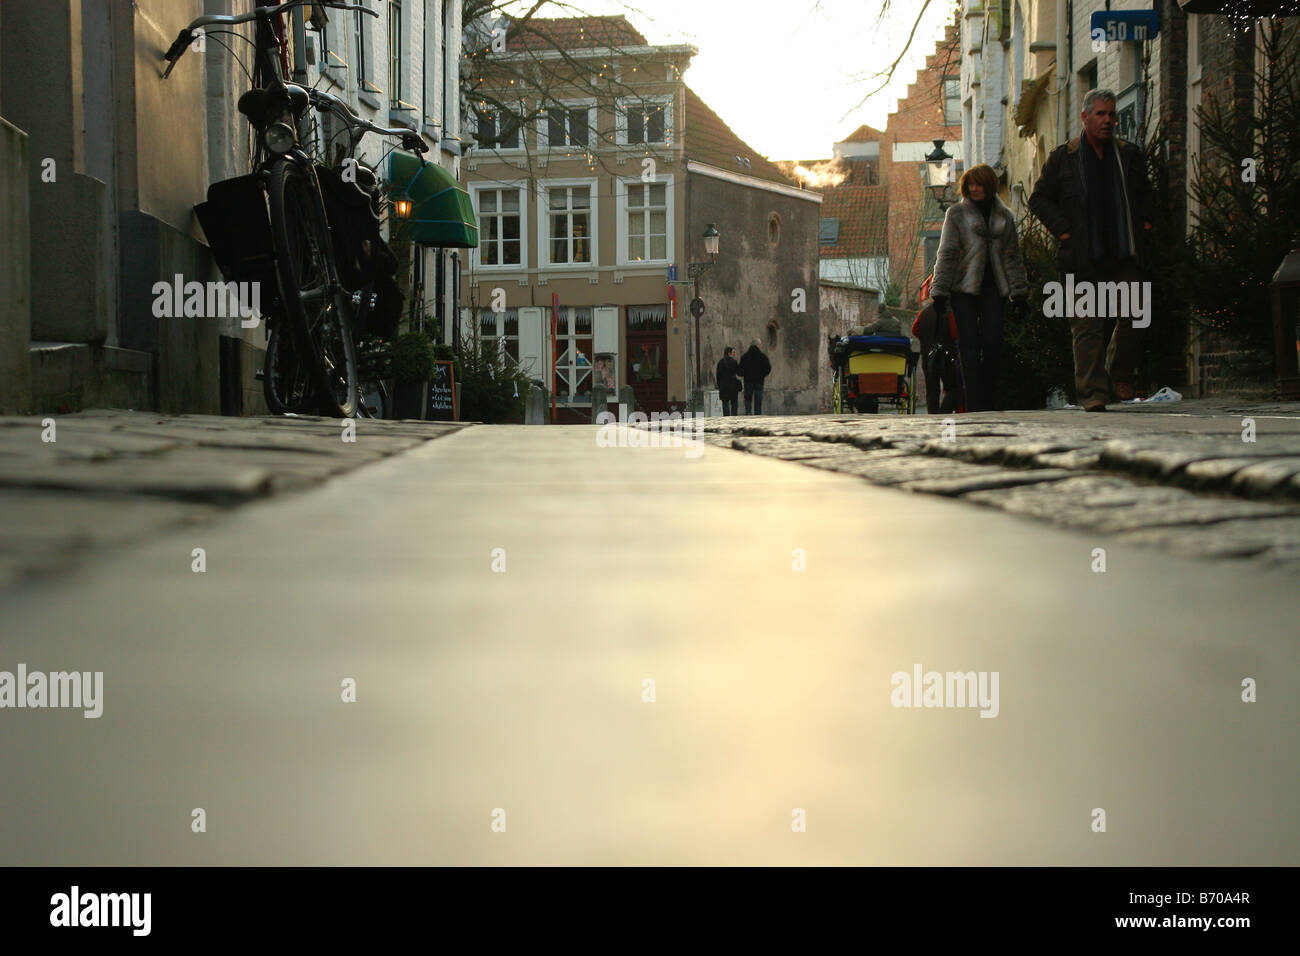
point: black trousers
(979, 340)
(753, 399)
(729, 405)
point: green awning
(442, 213)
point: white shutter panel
(605, 329)
(532, 342)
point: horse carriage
(871, 369)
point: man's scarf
(1109, 225)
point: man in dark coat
(755, 367)
(1095, 197)
(728, 383)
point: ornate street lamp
(938, 169)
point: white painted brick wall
(423, 50)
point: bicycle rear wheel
(318, 309)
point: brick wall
(917, 119)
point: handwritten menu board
(442, 393)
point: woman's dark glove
(941, 306)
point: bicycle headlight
(279, 138)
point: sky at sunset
(787, 78)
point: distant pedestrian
(1095, 197)
(978, 264)
(754, 367)
(885, 324)
(728, 383)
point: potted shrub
(412, 369)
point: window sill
(327, 74)
(369, 99)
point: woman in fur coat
(978, 265)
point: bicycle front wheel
(286, 382)
(318, 309)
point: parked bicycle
(308, 231)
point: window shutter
(578, 126)
(532, 340)
(655, 124)
(605, 333)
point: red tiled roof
(709, 140)
(573, 33)
(863, 212)
(864, 134)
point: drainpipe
(1062, 67)
(300, 66)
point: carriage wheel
(837, 397)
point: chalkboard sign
(442, 394)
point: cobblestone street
(1180, 478)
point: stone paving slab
(112, 476)
(1276, 541)
(793, 449)
(45, 532)
(986, 480)
(1112, 504)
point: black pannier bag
(362, 256)
(238, 230)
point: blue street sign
(1125, 26)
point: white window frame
(476, 259)
(620, 118)
(430, 90)
(561, 348)
(544, 188)
(501, 339)
(544, 126)
(397, 82)
(363, 50)
(620, 225)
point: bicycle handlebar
(186, 36)
(328, 102)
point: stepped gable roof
(573, 33)
(709, 140)
(863, 212)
